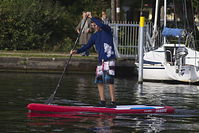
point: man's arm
(99, 23)
(85, 47)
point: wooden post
(117, 10)
(113, 10)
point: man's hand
(88, 14)
(73, 52)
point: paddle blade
(50, 99)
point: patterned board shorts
(105, 73)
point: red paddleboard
(119, 109)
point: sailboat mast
(156, 15)
(155, 23)
(165, 17)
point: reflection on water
(20, 89)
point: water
(20, 89)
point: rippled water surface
(20, 89)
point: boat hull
(155, 72)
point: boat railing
(169, 55)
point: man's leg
(102, 102)
(112, 92)
(112, 95)
(101, 92)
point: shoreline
(54, 63)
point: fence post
(141, 54)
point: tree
(33, 24)
(50, 24)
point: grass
(40, 54)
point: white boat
(175, 62)
(160, 64)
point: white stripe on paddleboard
(137, 107)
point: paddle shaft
(50, 99)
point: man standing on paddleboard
(105, 71)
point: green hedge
(35, 25)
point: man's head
(94, 26)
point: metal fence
(125, 38)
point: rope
(186, 16)
(176, 24)
(192, 12)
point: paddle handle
(50, 99)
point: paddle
(50, 99)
